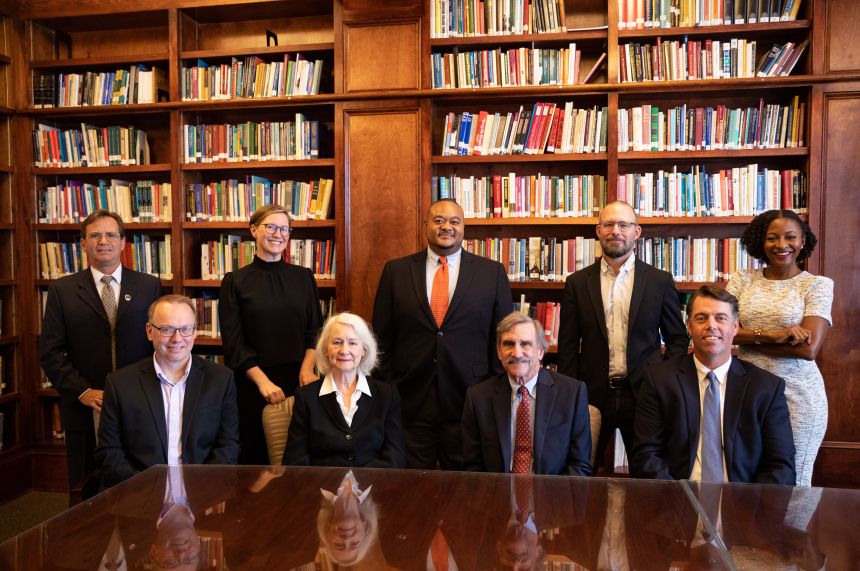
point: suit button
(351, 458)
(441, 334)
(349, 436)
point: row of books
(462, 18)
(740, 191)
(696, 259)
(142, 253)
(250, 77)
(209, 325)
(536, 258)
(683, 128)
(545, 128)
(678, 60)
(233, 200)
(91, 146)
(506, 68)
(136, 201)
(683, 13)
(523, 196)
(230, 253)
(251, 141)
(781, 59)
(546, 312)
(137, 84)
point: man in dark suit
(614, 314)
(170, 408)
(435, 315)
(528, 419)
(709, 416)
(81, 343)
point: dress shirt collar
(97, 275)
(626, 267)
(434, 257)
(329, 386)
(722, 372)
(531, 385)
(164, 378)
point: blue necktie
(712, 442)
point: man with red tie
(528, 420)
(434, 315)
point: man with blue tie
(528, 420)
(709, 416)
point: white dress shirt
(117, 280)
(173, 395)
(453, 271)
(361, 387)
(722, 373)
(531, 387)
(616, 291)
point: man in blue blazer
(170, 408)
(75, 343)
(685, 401)
(548, 409)
(434, 358)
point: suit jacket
(562, 430)
(320, 436)
(460, 353)
(133, 428)
(74, 346)
(757, 437)
(583, 343)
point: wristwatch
(757, 335)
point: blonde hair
(265, 211)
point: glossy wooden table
(312, 518)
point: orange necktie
(439, 293)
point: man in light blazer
(171, 408)
(75, 343)
(494, 413)
(434, 358)
(614, 315)
(753, 440)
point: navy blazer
(757, 437)
(133, 426)
(414, 350)
(583, 343)
(74, 346)
(320, 436)
(562, 429)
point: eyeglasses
(623, 226)
(168, 331)
(272, 228)
(109, 236)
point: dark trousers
(80, 454)
(431, 441)
(617, 412)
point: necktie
(439, 293)
(109, 301)
(523, 489)
(523, 440)
(712, 442)
(439, 551)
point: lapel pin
(127, 297)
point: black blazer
(562, 429)
(319, 435)
(133, 427)
(74, 346)
(757, 437)
(583, 343)
(462, 352)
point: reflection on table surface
(220, 517)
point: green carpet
(29, 510)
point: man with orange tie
(528, 420)
(435, 315)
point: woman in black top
(270, 315)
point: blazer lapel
(329, 403)
(640, 281)
(502, 414)
(89, 294)
(127, 291)
(418, 271)
(151, 387)
(193, 388)
(596, 297)
(546, 397)
(464, 281)
(689, 382)
(365, 405)
(736, 387)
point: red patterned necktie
(523, 439)
(439, 293)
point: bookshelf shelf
(129, 226)
(8, 282)
(245, 165)
(544, 158)
(4, 59)
(6, 168)
(48, 393)
(517, 39)
(560, 221)
(207, 341)
(6, 110)
(116, 111)
(244, 225)
(721, 30)
(258, 51)
(715, 154)
(240, 103)
(536, 285)
(120, 169)
(10, 397)
(119, 60)
(9, 340)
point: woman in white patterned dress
(785, 316)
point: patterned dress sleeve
(819, 299)
(737, 282)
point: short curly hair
(753, 237)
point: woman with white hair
(347, 418)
